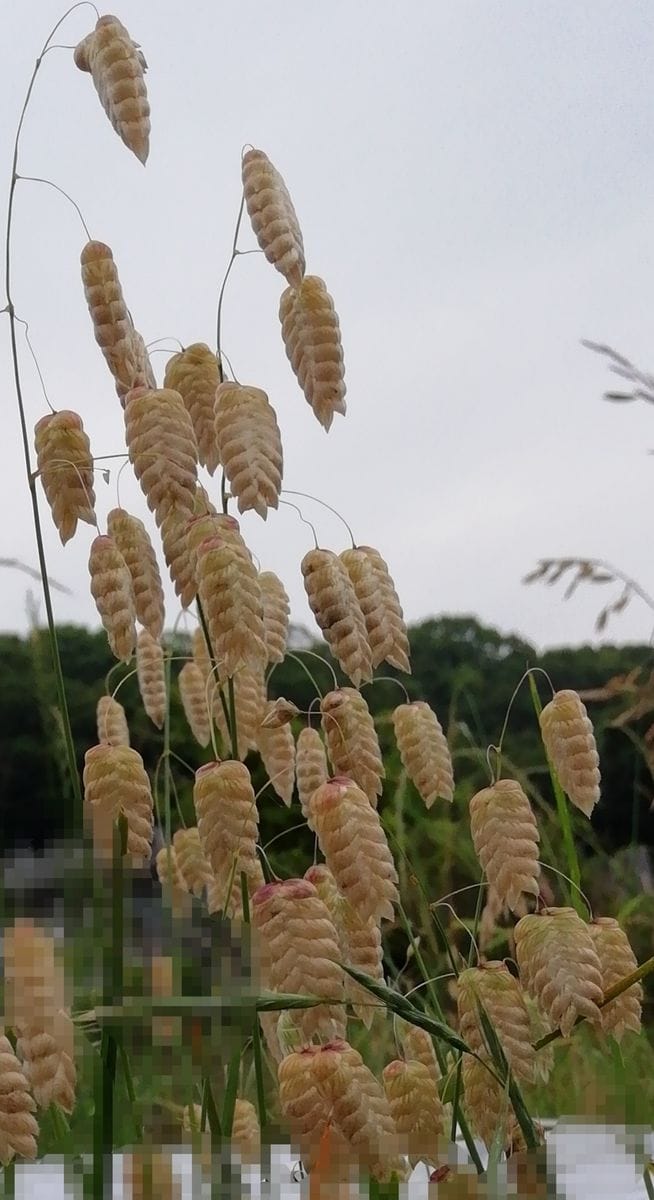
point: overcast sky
(474, 182)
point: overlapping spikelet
(359, 940)
(416, 1109)
(115, 783)
(63, 456)
(162, 449)
(250, 446)
(246, 1135)
(195, 374)
(487, 1106)
(145, 375)
(228, 826)
(276, 611)
(355, 848)
(494, 987)
(424, 751)
(151, 676)
(416, 1044)
(111, 588)
(279, 712)
(276, 746)
(335, 606)
(304, 1106)
(380, 606)
(117, 67)
(230, 594)
(112, 324)
(506, 837)
(352, 742)
(570, 743)
(312, 339)
(19, 1129)
(133, 541)
(196, 701)
(47, 1057)
(168, 872)
(209, 525)
(310, 769)
(273, 216)
(174, 539)
(111, 722)
(617, 960)
(192, 863)
(559, 966)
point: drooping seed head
(250, 446)
(570, 743)
(195, 373)
(559, 966)
(424, 751)
(352, 742)
(273, 216)
(65, 465)
(617, 960)
(133, 541)
(355, 848)
(334, 604)
(505, 837)
(380, 606)
(117, 67)
(111, 588)
(151, 676)
(310, 769)
(312, 339)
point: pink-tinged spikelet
(359, 940)
(352, 742)
(276, 746)
(228, 824)
(505, 836)
(250, 446)
(19, 1130)
(111, 588)
(312, 339)
(117, 67)
(500, 994)
(570, 743)
(355, 848)
(617, 960)
(151, 676)
(416, 1109)
(334, 604)
(115, 783)
(162, 449)
(276, 611)
(424, 751)
(229, 591)
(559, 966)
(195, 374)
(63, 454)
(196, 701)
(273, 216)
(111, 722)
(112, 324)
(380, 606)
(133, 541)
(310, 769)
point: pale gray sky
(474, 183)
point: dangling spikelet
(229, 591)
(359, 940)
(112, 324)
(250, 446)
(334, 604)
(246, 1136)
(276, 746)
(312, 339)
(111, 588)
(249, 702)
(304, 1106)
(111, 722)
(380, 606)
(276, 611)
(117, 67)
(145, 375)
(19, 1130)
(115, 783)
(195, 374)
(168, 872)
(174, 538)
(133, 541)
(48, 1063)
(63, 455)
(352, 742)
(416, 1109)
(500, 994)
(355, 847)
(228, 825)
(273, 216)
(487, 1106)
(617, 960)
(424, 751)
(34, 984)
(279, 712)
(505, 836)
(151, 677)
(559, 966)
(417, 1045)
(570, 743)
(193, 694)
(310, 769)
(162, 449)
(193, 867)
(209, 525)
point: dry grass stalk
(195, 374)
(276, 746)
(111, 722)
(162, 449)
(63, 455)
(115, 783)
(273, 216)
(570, 743)
(416, 1110)
(424, 751)
(506, 837)
(335, 606)
(111, 588)
(228, 824)
(117, 67)
(229, 591)
(250, 446)
(19, 1129)
(276, 611)
(312, 339)
(196, 701)
(352, 742)
(494, 987)
(112, 323)
(617, 960)
(359, 941)
(151, 677)
(133, 541)
(380, 606)
(310, 769)
(559, 966)
(355, 848)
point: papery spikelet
(246, 1136)
(148, 1175)
(359, 940)
(33, 979)
(115, 783)
(500, 994)
(540, 1026)
(380, 606)
(334, 604)
(193, 866)
(174, 538)
(416, 1109)
(228, 826)
(112, 324)
(559, 966)
(416, 1044)
(617, 960)
(487, 1105)
(310, 768)
(355, 847)
(111, 722)
(168, 872)
(162, 449)
(195, 374)
(302, 952)
(279, 712)
(276, 611)
(276, 746)
(195, 702)
(47, 1059)
(19, 1130)
(570, 743)
(250, 446)
(273, 216)
(175, 894)
(210, 525)
(304, 1106)
(63, 455)
(151, 676)
(133, 541)
(424, 751)
(111, 588)
(229, 591)
(505, 836)
(145, 375)
(312, 339)
(117, 67)
(352, 742)
(249, 704)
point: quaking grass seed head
(570, 743)
(559, 966)
(65, 465)
(117, 67)
(506, 838)
(273, 216)
(111, 588)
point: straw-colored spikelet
(273, 216)
(228, 824)
(380, 606)
(63, 456)
(276, 746)
(196, 705)
(249, 702)
(148, 1175)
(144, 371)
(112, 722)
(250, 446)
(162, 449)
(192, 864)
(174, 539)
(424, 751)
(117, 68)
(19, 1130)
(302, 952)
(279, 712)
(33, 979)
(359, 940)
(229, 591)
(112, 323)
(133, 541)
(352, 742)
(168, 872)
(559, 966)
(246, 1135)
(335, 606)
(500, 994)
(209, 525)
(276, 611)
(151, 676)
(47, 1057)
(505, 836)
(111, 588)
(417, 1045)
(416, 1109)
(312, 339)
(115, 783)
(195, 374)
(570, 743)
(617, 960)
(355, 848)
(304, 1106)
(310, 769)
(487, 1105)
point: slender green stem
(233, 728)
(131, 1091)
(456, 1099)
(231, 1088)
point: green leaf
(403, 1007)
